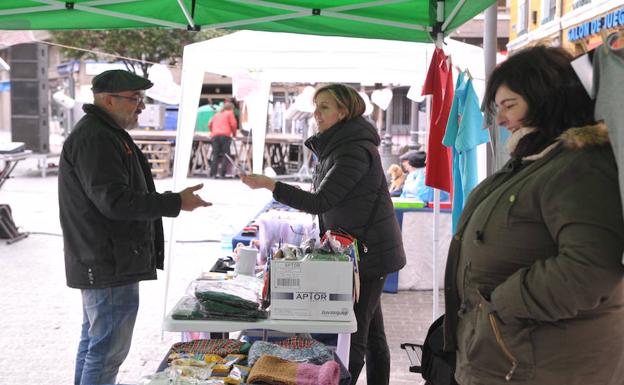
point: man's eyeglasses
(135, 99)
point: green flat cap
(119, 81)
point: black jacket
(109, 210)
(348, 179)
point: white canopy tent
(282, 57)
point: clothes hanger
(465, 72)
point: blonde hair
(346, 97)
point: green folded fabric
(226, 298)
(218, 310)
(191, 308)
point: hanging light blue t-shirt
(464, 132)
(415, 187)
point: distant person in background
(111, 214)
(414, 187)
(222, 126)
(397, 179)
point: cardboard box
(311, 290)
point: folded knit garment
(297, 342)
(299, 350)
(277, 371)
(221, 347)
(228, 299)
(218, 310)
(190, 308)
(242, 291)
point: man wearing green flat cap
(111, 216)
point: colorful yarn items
(274, 370)
(326, 374)
(315, 353)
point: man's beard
(130, 123)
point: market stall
(412, 20)
(255, 59)
(402, 21)
(308, 289)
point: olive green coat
(534, 279)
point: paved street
(41, 316)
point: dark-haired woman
(350, 194)
(534, 277)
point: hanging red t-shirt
(439, 84)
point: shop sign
(612, 19)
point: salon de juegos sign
(613, 19)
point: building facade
(472, 31)
(577, 25)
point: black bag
(438, 366)
(7, 226)
(8, 230)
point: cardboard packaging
(311, 290)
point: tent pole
(489, 39)
(452, 15)
(436, 193)
(55, 5)
(192, 75)
(489, 59)
(258, 104)
(439, 32)
(186, 14)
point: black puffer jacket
(110, 212)
(348, 179)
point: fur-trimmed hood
(574, 138)
(586, 136)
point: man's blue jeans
(108, 321)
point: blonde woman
(350, 194)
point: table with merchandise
(342, 328)
(230, 361)
(300, 291)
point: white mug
(246, 264)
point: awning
(406, 20)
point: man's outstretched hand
(190, 200)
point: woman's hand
(256, 181)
